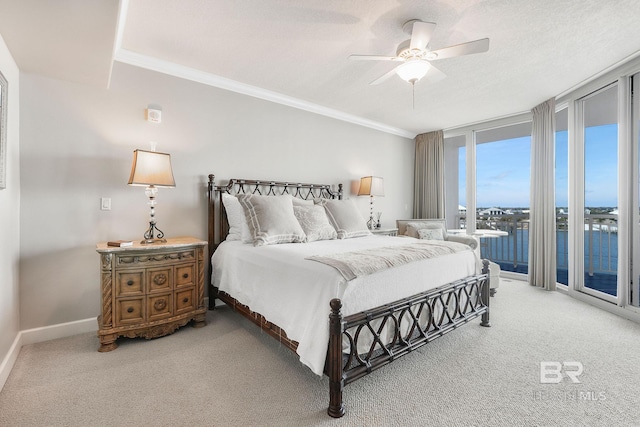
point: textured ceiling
(63, 39)
(299, 49)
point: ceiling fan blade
(384, 76)
(434, 75)
(421, 34)
(477, 46)
(374, 58)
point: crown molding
(150, 63)
(154, 64)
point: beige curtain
(428, 199)
(542, 224)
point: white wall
(10, 210)
(77, 143)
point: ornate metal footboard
(395, 329)
(386, 332)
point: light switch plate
(105, 203)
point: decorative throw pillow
(430, 234)
(345, 218)
(271, 219)
(301, 202)
(314, 223)
(238, 227)
(413, 227)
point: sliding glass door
(634, 292)
(503, 164)
(455, 182)
(598, 130)
(562, 196)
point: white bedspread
(277, 282)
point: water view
(502, 178)
(511, 251)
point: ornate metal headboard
(217, 224)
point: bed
(345, 327)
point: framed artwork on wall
(3, 131)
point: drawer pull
(130, 310)
(130, 283)
(186, 300)
(160, 304)
(160, 279)
(185, 276)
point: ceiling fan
(415, 54)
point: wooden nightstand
(150, 290)
(385, 231)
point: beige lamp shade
(151, 168)
(371, 186)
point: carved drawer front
(130, 283)
(150, 291)
(185, 300)
(184, 275)
(145, 259)
(159, 306)
(160, 279)
(129, 311)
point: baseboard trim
(61, 330)
(45, 333)
(10, 359)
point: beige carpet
(229, 374)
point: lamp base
(152, 241)
(150, 236)
(371, 224)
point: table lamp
(371, 186)
(152, 169)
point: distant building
(491, 212)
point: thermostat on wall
(152, 115)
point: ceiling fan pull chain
(413, 94)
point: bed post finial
(334, 356)
(339, 191)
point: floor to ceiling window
(562, 196)
(455, 181)
(599, 128)
(634, 292)
(503, 163)
(487, 184)
(597, 189)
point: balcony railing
(512, 251)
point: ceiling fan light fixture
(413, 71)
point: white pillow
(314, 223)
(238, 227)
(430, 234)
(301, 202)
(345, 218)
(297, 201)
(271, 219)
(414, 227)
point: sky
(503, 170)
